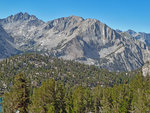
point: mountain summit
(19, 17)
(73, 38)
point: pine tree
(44, 98)
(69, 102)
(97, 97)
(49, 98)
(78, 100)
(8, 103)
(18, 98)
(60, 99)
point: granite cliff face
(7, 48)
(144, 37)
(22, 27)
(74, 38)
(146, 69)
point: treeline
(54, 97)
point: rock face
(144, 37)
(146, 69)
(7, 47)
(23, 28)
(74, 38)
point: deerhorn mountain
(73, 38)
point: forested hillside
(36, 83)
(39, 68)
(54, 97)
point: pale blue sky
(118, 14)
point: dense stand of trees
(55, 97)
(18, 97)
(51, 85)
(38, 68)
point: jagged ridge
(74, 38)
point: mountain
(73, 38)
(132, 33)
(22, 27)
(144, 37)
(7, 48)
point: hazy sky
(118, 14)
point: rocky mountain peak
(62, 23)
(85, 40)
(131, 32)
(18, 17)
(23, 16)
(76, 18)
(118, 30)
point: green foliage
(18, 97)
(59, 86)
(54, 97)
(40, 67)
(49, 98)
(78, 100)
